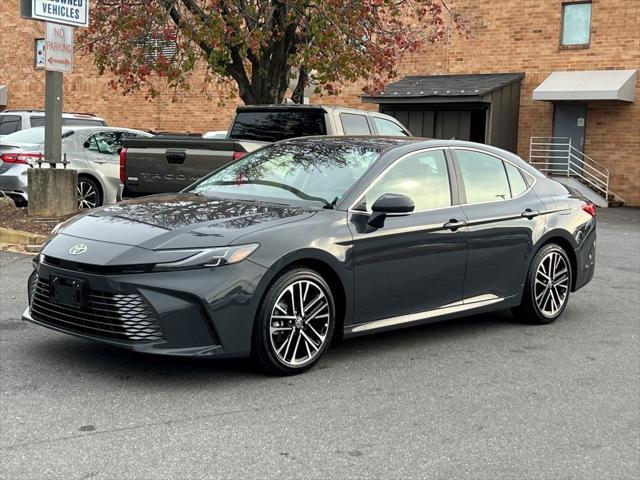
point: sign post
(58, 51)
(57, 187)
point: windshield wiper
(297, 192)
(332, 205)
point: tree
(259, 45)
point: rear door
(504, 217)
(102, 150)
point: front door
(412, 264)
(569, 121)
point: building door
(569, 121)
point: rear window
(37, 121)
(30, 135)
(275, 125)
(9, 124)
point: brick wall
(507, 36)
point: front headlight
(210, 257)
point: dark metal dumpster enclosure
(481, 108)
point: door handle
(528, 213)
(175, 156)
(99, 160)
(454, 224)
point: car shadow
(66, 353)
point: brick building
(537, 41)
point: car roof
(92, 116)
(308, 106)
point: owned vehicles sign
(68, 12)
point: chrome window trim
(387, 168)
(504, 160)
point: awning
(588, 85)
(3, 96)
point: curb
(19, 237)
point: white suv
(13, 120)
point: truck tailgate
(164, 164)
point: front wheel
(295, 323)
(548, 285)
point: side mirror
(86, 144)
(390, 204)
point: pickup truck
(170, 162)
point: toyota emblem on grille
(78, 249)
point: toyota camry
(310, 240)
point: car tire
(548, 286)
(89, 193)
(295, 323)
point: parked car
(15, 120)
(92, 151)
(169, 164)
(315, 238)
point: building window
(576, 23)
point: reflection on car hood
(181, 221)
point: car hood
(175, 221)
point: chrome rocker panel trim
(466, 304)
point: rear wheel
(548, 286)
(89, 194)
(295, 323)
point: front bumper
(200, 312)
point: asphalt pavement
(483, 397)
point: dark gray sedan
(311, 239)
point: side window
(354, 124)
(105, 142)
(516, 180)
(422, 176)
(37, 121)
(387, 127)
(484, 176)
(10, 124)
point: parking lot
(479, 398)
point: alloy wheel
(299, 323)
(551, 287)
(87, 195)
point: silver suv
(13, 120)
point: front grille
(99, 269)
(125, 317)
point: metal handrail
(544, 150)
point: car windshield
(314, 170)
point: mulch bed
(18, 219)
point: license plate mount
(67, 291)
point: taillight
(25, 158)
(239, 155)
(590, 208)
(123, 166)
